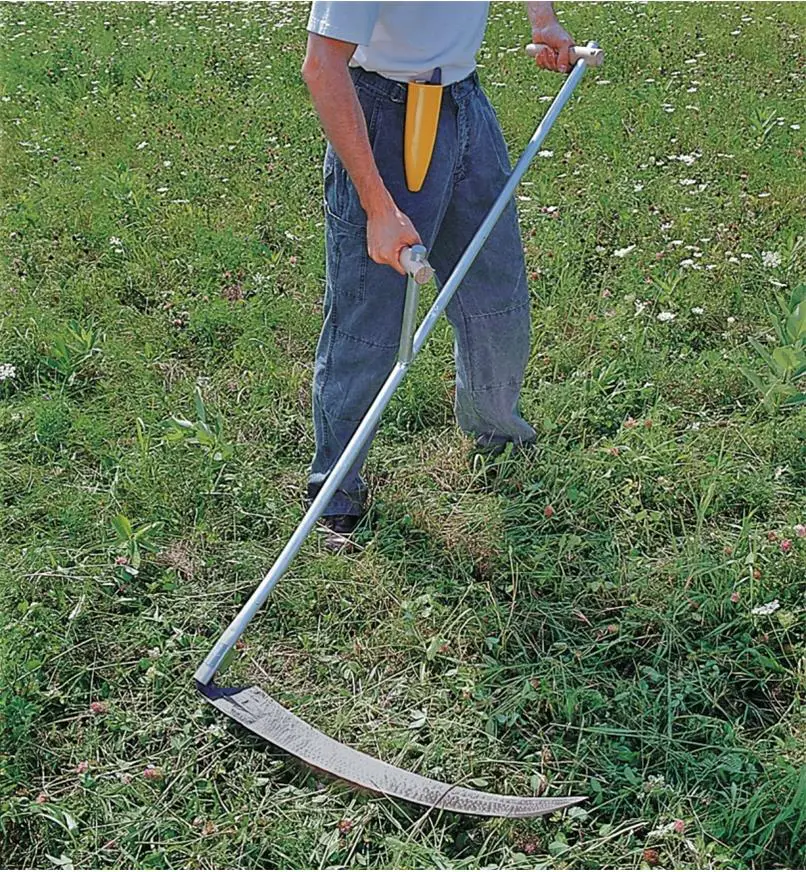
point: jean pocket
(341, 197)
(346, 256)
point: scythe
(256, 710)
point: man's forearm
(331, 87)
(336, 102)
(540, 14)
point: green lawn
(161, 230)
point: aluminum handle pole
(416, 263)
(405, 353)
(205, 673)
(418, 268)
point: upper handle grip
(413, 260)
(592, 55)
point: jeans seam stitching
(461, 141)
(361, 341)
(512, 383)
(507, 311)
(328, 368)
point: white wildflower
(767, 608)
(654, 783)
(731, 319)
(686, 182)
(666, 316)
(7, 371)
(141, 145)
(697, 310)
(770, 259)
(545, 152)
(663, 830)
(638, 187)
(623, 252)
(260, 280)
(115, 242)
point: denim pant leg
(355, 353)
(490, 312)
(364, 301)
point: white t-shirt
(406, 40)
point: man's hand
(389, 231)
(546, 30)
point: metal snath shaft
(419, 273)
(413, 260)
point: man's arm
(546, 30)
(326, 74)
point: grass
(163, 270)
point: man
(359, 59)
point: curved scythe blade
(258, 712)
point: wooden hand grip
(593, 57)
(418, 268)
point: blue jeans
(364, 301)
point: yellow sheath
(423, 102)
